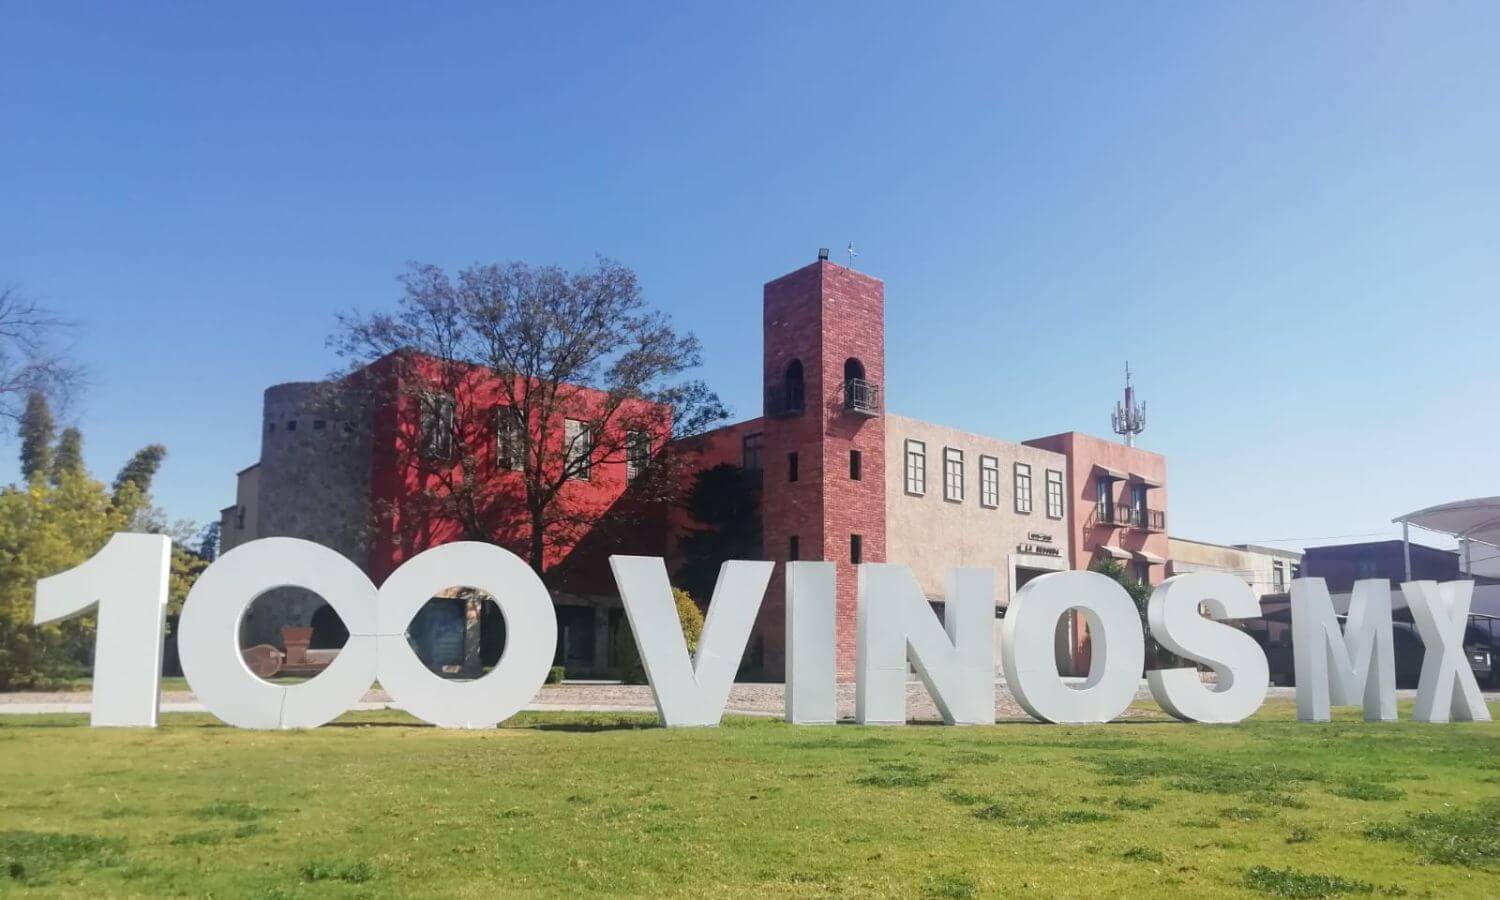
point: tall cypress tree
(37, 432)
(68, 460)
(141, 468)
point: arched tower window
(860, 396)
(794, 386)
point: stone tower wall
(314, 484)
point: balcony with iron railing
(861, 397)
(1111, 515)
(1138, 517)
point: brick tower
(824, 476)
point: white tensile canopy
(1471, 521)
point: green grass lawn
(575, 805)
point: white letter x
(1447, 687)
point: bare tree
(30, 360)
(540, 371)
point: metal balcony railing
(1137, 517)
(1111, 514)
(861, 397)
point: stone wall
(313, 483)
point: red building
(839, 480)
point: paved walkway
(744, 699)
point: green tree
(208, 540)
(37, 432)
(53, 524)
(628, 658)
(68, 458)
(1157, 656)
(141, 469)
(45, 530)
(724, 502)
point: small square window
(856, 465)
(319, 424)
(292, 425)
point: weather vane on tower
(1129, 418)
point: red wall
(406, 524)
(822, 314)
(1085, 454)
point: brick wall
(822, 315)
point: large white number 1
(127, 580)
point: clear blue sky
(1286, 215)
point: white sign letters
(895, 627)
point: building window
(1054, 494)
(856, 465)
(791, 466)
(916, 467)
(793, 548)
(1138, 503)
(578, 442)
(793, 388)
(1142, 572)
(292, 425)
(1278, 576)
(1023, 488)
(752, 452)
(270, 427)
(1104, 488)
(319, 424)
(953, 474)
(437, 426)
(510, 441)
(637, 453)
(856, 549)
(989, 481)
(239, 519)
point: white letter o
(530, 635)
(208, 641)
